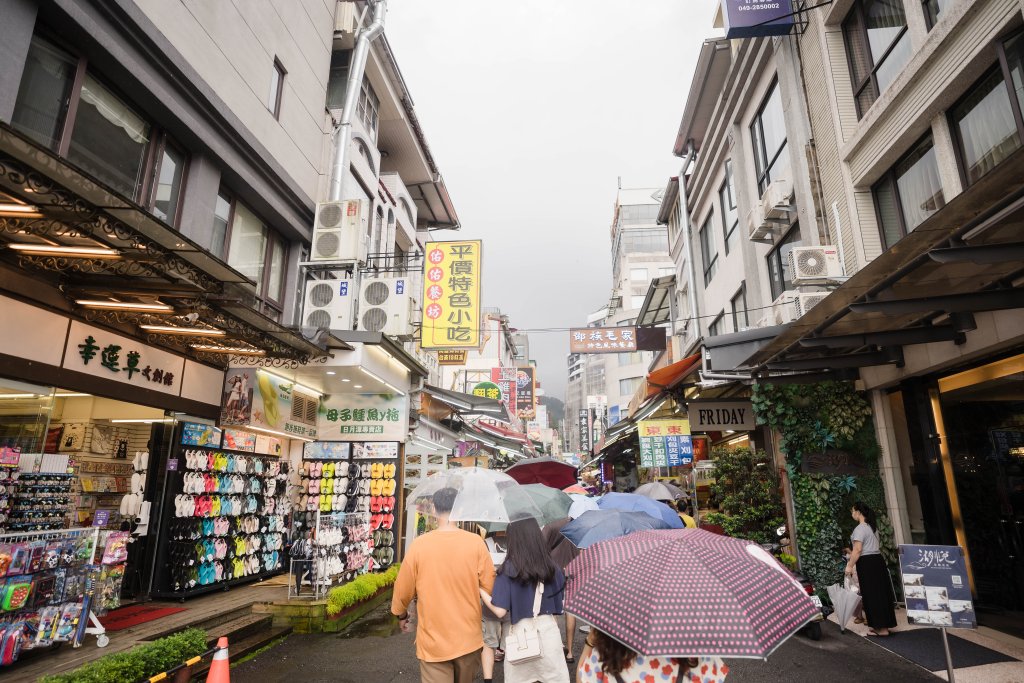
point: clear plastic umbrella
(844, 600)
(483, 496)
(659, 490)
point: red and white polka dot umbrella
(687, 593)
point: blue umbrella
(595, 526)
(634, 503)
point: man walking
(444, 571)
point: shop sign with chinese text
(451, 295)
(665, 443)
(487, 390)
(103, 354)
(526, 394)
(451, 357)
(936, 587)
(259, 399)
(583, 420)
(505, 378)
(602, 340)
(364, 417)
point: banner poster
(584, 429)
(935, 586)
(237, 440)
(326, 450)
(374, 450)
(526, 396)
(451, 295)
(357, 417)
(253, 398)
(505, 378)
(198, 434)
(665, 443)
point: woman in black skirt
(875, 585)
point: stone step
(240, 648)
(240, 628)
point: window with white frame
(368, 108)
(877, 46)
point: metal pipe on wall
(684, 216)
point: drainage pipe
(684, 215)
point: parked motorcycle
(813, 629)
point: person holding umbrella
(605, 659)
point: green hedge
(140, 662)
(359, 589)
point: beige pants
(459, 670)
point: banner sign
(487, 390)
(451, 295)
(451, 357)
(253, 398)
(237, 440)
(326, 450)
(757, 18)
(374, 450)
(526, 395)
(935, 586)
(584, 428)
(665, 443)
(505, 378)
(356, 417)
(198, 434)
(602, 340)
(718, 416)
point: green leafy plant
(788, 560)
(140, 662)
(749, 493)
(359, 589)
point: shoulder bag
(522, 644)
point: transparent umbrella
(659, 490)
(483, 496)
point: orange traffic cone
(220, 667)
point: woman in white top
(875, 584)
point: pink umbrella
(687, 593)
(576, 488)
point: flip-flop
(871, 632)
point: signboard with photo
(237, 440)
(935, 586)
(198, 434)
(255, 398)
(374, 450)
(526, 397)
(326, 450)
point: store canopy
(670, 376)
(468, 404)
(470, 431)
(657, 306)
(504, 433)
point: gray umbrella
(844, 601)
(659, 490)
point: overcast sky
(533, 109)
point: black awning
(469, 404)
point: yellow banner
(663, 428)
(451, 295)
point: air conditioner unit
(384, 305)
(328, 304)
(806, 301)
(339, 231)
(775, 203)
(814, 265)
(783, 309)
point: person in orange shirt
(444, 571)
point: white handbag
(522, 644)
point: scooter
(813, 629)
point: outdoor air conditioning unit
(339, 231)
(328, 304)
(384, 305)
(783, 309)
(805, 302)
(775, 203)
(814, 265)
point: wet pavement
(374, 650)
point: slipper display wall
(224, 521)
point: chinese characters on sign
(505, 378)
(665, 443)
(487, 390)
(356, 417)
(526, 394)
(96, 352)
(584, 427)
(451, 357)
(936, 587)
(602, 340)
(451, 295)
(757, 18)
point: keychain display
(39, 502)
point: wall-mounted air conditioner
(327, 304)
(384, 305)
(806, 301)
(783, 309)
(339, 231)
(773, 210)
(814, 265)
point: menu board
(935, 586)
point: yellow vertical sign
(451, 295)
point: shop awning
(502, 432)
(494, 441)
(468, 404)
(670, 376)
(657, 306)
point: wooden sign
(833, 461)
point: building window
(628, 386)
(778, 262)
(337, 80)
(908, 193)
(730, 216)
(65, 107)
(738, 304)
(715, 328)
(368, 108)
(708, 252)
(933, 9)
(877, 47)
(638, 274)
(768, 134)
(221, 220)
(645, 240)
(259, 253)
(276, 88)
(631, 358)
(638, 214)
(986, 121)
(665, 272)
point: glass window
(630, 358)
(933, 9)
(367, 108)
(768, 134)
(44, 93)
(663, 272)
(276, 89)
(877, 45)
(778, 262)
(221, 216)
(638, 214)
(168, 184)
(338, 79)
(109, 139)
(730, 216)
(1014, 49)
(985, 125)
(636, 301)
(738, 304)
(248, 249)
(275, 278)
(639, 274)
(708, 251)
(909, 193)
(628, 386)
(715, 328)
(646, 240)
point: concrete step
(246, 646)
(240, 628)
(205, 622)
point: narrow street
(374, 650)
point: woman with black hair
(605, 659)
(873, 575)
(528, 570)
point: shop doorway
(983, 413)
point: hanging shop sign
(487, 390)
(357, 417)
(505, 378)
(665, 443)
(757, 18)
(451, 357)
(833, 461)
(718, 416)
(99, 353)
(584, 429)
(526, 393)
(602, 340)
(451, 295)
(258, 399)
(936, 587)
